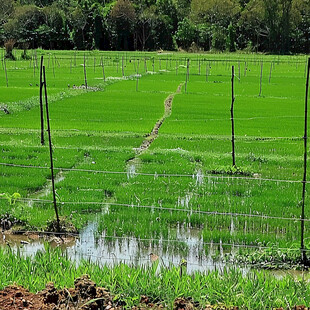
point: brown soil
(84, 296)
(87, 296)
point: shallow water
(132, 251)
(106, 250)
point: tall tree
(123, 16)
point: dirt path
(154, 133)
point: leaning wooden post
(51, 151)
(232, 116)
(302, 247)
(85, 76)
(41, 102)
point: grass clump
(230, 287)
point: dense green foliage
(278, 26)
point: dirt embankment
(87, 296)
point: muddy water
(112, 251)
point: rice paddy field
(143, 159)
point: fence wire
(190, 211)
(156, 175)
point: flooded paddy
(188, 248)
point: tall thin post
(103, 73)
(41, 102)
(85, 76)
(302, 247)
(187, 75)
(51, 151)
(53, 64)
(34, 68)
(123, 71)
(232, 116)
(137, 82)
(270, 73)
(261, 79)
(36, 58)
(6, 73)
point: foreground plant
(230, 287)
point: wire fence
(158, 175)
(189, 211)
(160, 208)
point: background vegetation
(276, 26)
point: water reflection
(105, 250)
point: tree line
(275, 26)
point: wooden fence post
(41, 102)
(51, 151)
(302, 246)
(232, 117)
(137, 82)
(261, 79)
(187, 75)
(6, 73)
(85, 76)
